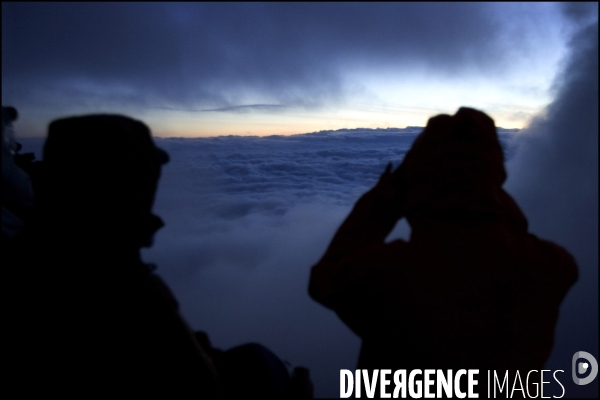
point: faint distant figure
(17, 191)
(88, 317)
(471, 288)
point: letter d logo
(583, 367)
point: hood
(455, 168)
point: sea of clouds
(246, 218)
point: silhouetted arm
(372, 219)
(359, 241)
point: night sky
(246, 217)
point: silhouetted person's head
(101, 175)
(455, 168)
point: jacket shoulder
(558, 263)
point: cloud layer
(555, 179)
(246, 218)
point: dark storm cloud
(193, 54)
(554, 176)
(248, 216)
(231, 177)
(236, 109)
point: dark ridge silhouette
(471, 288)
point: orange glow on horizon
(290, 125)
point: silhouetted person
(88, 317)
(17, 192)
(471, 288)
